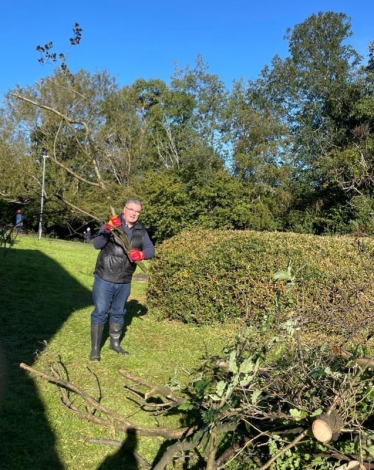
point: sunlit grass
(46, 296)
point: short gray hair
(133, 200)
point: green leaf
(232, 363)
(371, 450)
(315, 373)
(220, 388)
(282, 276)
(297, 414)
(255, 396)
(215, 397)
(246, 366)
(201, 386)
(185, 406)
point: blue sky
(144, 39)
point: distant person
(113, 274)
(19, 220)
(87, 235)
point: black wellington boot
(115, 330)
(96, 335)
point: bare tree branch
(52, 110)
(78, 209)
(70, 122)
(123, 424)
(164, 391)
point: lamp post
(42, 199)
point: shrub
(215, 276)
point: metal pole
(42, 200)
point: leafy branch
(47, 55)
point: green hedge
(214, 276)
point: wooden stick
(124, 425)
(284, 450)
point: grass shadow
(133, 309)
(37, 296)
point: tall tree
(315, 89)
(208, 95)
(315, 85)
(62, 117)
(260, 146)
(351, 165)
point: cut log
(352, 465)
(327, 426)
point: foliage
(215, 276)
(291, 149)
(320, 86)
(216, 201)
(19, 174)
(315, 94)
(271, 391)
(48, 55)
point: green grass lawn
(45, 298)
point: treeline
(291, 151)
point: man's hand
(136, 255)
(114, 221)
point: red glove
(136, 255)
(114, 221)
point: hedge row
(214, 276)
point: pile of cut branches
(274, 403)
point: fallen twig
(155, 390)
(123, 425)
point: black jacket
(112, 263)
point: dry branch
(285, 449)
(172, 450)
(70, 122)
(361, 361)
(78, 209)
(52, 110)
(122, 424)
(155, 390)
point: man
(87, 235)
(19, 220)
(113, 274)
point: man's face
(131, 213)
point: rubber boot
(115, 330)
(96, 335)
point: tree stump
(327, 426)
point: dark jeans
(109, 297)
